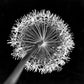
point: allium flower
(49, 33)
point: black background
(72, 11)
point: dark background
(72, 11)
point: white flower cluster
(49, 29)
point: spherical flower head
(47, 28)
